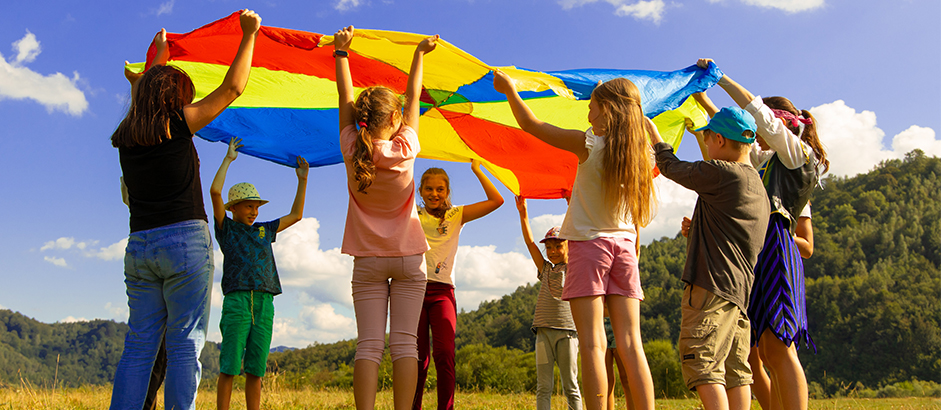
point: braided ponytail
(372, 111)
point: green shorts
(715, 340)
(247, 319)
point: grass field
(98, 397)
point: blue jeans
(168, 273)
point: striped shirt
(551, 310)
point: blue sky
(870, 71)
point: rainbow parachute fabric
(289, 106)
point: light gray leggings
(393, 285)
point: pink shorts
(602, 266)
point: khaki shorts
(714, 341)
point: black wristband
(340, 53)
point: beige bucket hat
(243, 191)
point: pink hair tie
(790, 117)
(362, 124)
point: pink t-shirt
(383, 221)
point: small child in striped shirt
(556, 339)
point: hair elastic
(362, 124)
(790, 117)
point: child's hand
(652, 131)
(234, 144)
(250, 21)
(428, 44)
(160, 41)
(503, 83)
(475, 165)
(343, 38)
(521, 205)
(302, 167)
(684, 229)
(704, 62)
(131, 76)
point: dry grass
(30, 397)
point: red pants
(439, 313)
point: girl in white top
(612, 195)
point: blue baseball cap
(731, 122)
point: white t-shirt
(588, 216)
(442, 237)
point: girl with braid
(379, 142)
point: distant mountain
(280, 349)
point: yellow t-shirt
(442, 236)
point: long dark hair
(628, 182)
(161, 92)
(371, 111)
(810, 130)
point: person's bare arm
(528, 234)
(342, 40)
(297, 209)
(494, 199)
(804, 237)
(201, 113)
(415, 74)
(215, 190)
(569, 140)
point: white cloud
(854, 143)
(2, 307)
(72, 319)
(60, 262)
(344, 5)
(111, 252)
(917, 137)
(315, 322)
(27, 48)
(790, 6)
(119, 313)
(54, 91)
(165, 8)
(324, 274)
(480, 273)
(542, 223)
(674, 202)
(61, 243)
(216, 296)
(641, 10)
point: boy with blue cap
(725, 237)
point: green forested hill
(67, 354)
(873, 295)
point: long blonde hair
(371, 111)
(628, 180)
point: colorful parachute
(289, 106)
